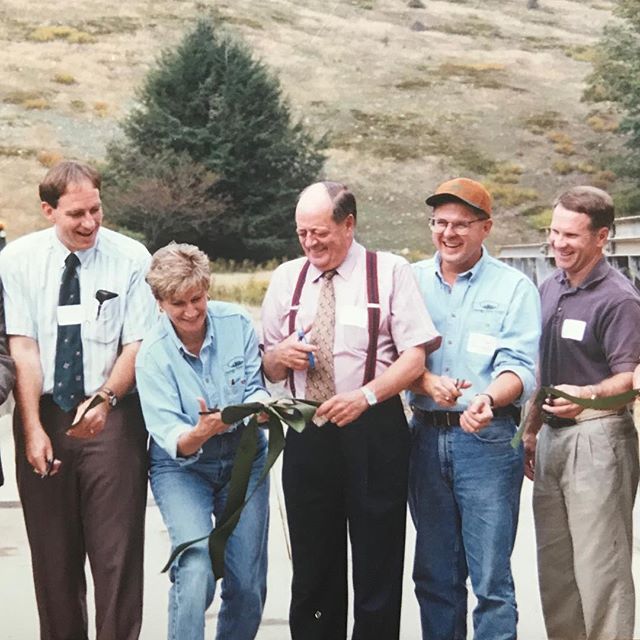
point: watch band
(492, 404)
(369, 395)
(111, 397)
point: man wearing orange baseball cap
(464, 476)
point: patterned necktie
(68, 379)
(321, 383)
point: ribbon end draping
(287, 411)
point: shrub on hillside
(210, 102)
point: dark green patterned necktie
(68, 380)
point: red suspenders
(373, 307)
(293, 312)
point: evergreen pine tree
(211, 102)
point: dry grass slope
(484, 88)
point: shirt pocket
(352, 321)
(235, 379)
(104, 327)
(484, 327)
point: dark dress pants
(94, 507)
(353, 476)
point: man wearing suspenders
(347, 328)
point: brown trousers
(94, 507)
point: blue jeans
(464, 497)
(189, 498)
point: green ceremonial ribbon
(608, 402)
(286, 411)
(95, 401)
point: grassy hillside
(407, 96)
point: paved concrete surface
(19, 619)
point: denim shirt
(490, 323)
(170, 379)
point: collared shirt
(31, 268)
(490, 322)
(404, 321)
(171, 379)
(589, 332)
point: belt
(585, 415)
(444, 419)
(440, 419)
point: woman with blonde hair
(200, 357)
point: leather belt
(444, 419)
(557, 423)
(440, 419)
(584, 416)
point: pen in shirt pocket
(302, 338)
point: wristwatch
(111, 397)
(369, 395)
(487, 395)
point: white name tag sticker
(70, 314)
(573, 329)
(353, 316)
(482, 343)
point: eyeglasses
(459, 227)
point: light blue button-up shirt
(170, 379)
(490, 323)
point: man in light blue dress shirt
(464, 476)
(81, 469)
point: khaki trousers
(586, 478)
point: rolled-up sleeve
(161, 405)
(520, 338)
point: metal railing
(622, 251)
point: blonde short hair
(177, 268)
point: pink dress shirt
(404, 320)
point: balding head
(325, 223)
(343, 201)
